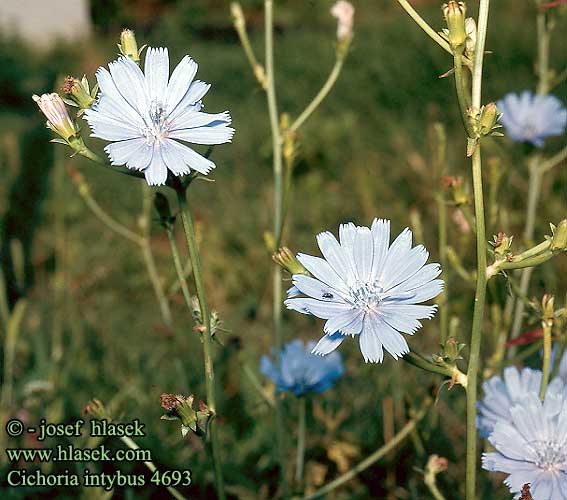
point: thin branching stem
(128, 441)
(301, 425)
(422, 23)
(546, 368)
(324, 92)
(481, 280)
(181, 279)
(278, 216)
(207, 335)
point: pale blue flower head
(532, 446)
(148, 115)
(368, 288)
(531, 117)
(301, 372)
(500, 394)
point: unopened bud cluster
(455, 14)
(502, 244)
(128, 45)
(285, 258)
(79, 93)
(180, 408)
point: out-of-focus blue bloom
(300, 371)
(532, 446)
(364, 286)
(531, 117)
(500, 395)
(146, 114)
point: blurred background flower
(299, 371)
(532, 118)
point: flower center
(551, 456)
(529, 131)
(158, 128)
(367, 296)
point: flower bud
(58, 119)
(237, 15)
(548, 307)
(343, 11)
(178, 407)
(470, 43)
(457, 186)
(284, 258)
(559, 238)
(488, 118)
(436, 464)
(450, 352)
(78, 93)
(502, 244)
(128, 45)
(454, 13)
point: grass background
(367, 152)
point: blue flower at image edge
(532, 446)
(301, 372)
(500, 394)
(531, 117)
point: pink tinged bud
(344, 12)
(58, 119)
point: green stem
(374, 457)
(419, 361)
(476, 333)
(150, 465)
(431, 484)
(546, 357)
(302, 401)
(206, 337)
(481, 279)
(181, 279)
(525, 264)
(10, 341)
(555, 160)
(440, 161)
(425, 26)
(278, 217)
(543, 39)
(59, 282)
(99, 212)
(148, 257)
(462, 94)
(91, 155)
(257, 385)
(240, 27)
(325, 89)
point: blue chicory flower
(531, 117)
(532, 446)
(500, 394)
(364, 286)
(301, 372)
(147, 114)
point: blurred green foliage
(365, 153)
